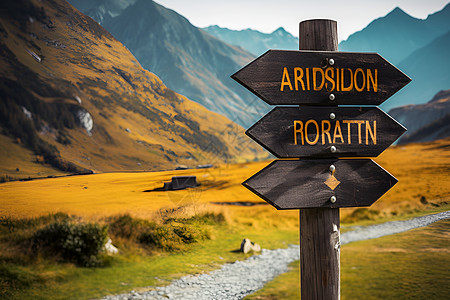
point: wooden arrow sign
(282, 77)
(295, 184)
(289, 132)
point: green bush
(189, 234)
(172, 235)
(172, 238)
(163, 238)
(78, 243)
(8, 224)
(361, 214)
(127, 227)
(208, 218)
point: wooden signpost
(320, 183)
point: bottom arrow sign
(314, 183)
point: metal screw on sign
(332, 97)
(333, 199)
(333, 149)
(332, 116)
(331, 61)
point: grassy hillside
(79, 100)
(188, 60)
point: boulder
(247, 246)
(109, 248)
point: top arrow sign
(281, 77)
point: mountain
(102, 10)
(78, 99)
(397, 35)
(255, 41)
(425, 122)
(187, 59)
(429, 69)
(417, 47)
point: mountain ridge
(428, 67)
(255, 41)
(77, 98)
(397, 34)
(425, 122)
(187, 59)
(416, 46)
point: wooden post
(319, 227)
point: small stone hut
(180, 182)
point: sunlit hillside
(75, 98)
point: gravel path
(241, 278)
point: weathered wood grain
(264, 77)
(309, 183)
(319, 253)
(283, 131)
(319, 259)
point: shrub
(78, 243)
(361, 214)
(125, 226)
(13, 225)
(163, 238)
(172, 235)
(189, 234)
(209, 218)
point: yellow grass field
(422, 170)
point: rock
(27, 113)
(85, 120)
(247, 246)
(423, 200)
(110, 248)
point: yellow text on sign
(314, 132)
(330, 79)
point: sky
(268, 15)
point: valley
(104, 198)
(123, 153)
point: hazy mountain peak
(425, 122)
(397, 11)
(442, 95)
(281, 32)
(255, 41)
(102, 10)
(440, 19)
(397, 16)
(444, 12)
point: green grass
(383, 268)
(409, 265)
(135, 268)
(370, 218)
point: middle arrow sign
(292, 132)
